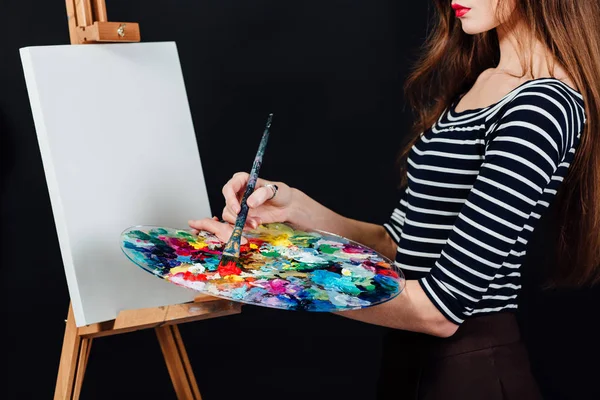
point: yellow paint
(198, 245)
(293, 273)
(234, 278)
(253, 246)
(181, 268)
(277, 228)
(281, 240)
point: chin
(473, 28)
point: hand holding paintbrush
(231, 250)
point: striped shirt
(478, 182)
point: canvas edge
(52, 185)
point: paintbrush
(231, 251)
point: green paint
(139, 235)
(304, 267)
(159, 231)
(327, 249)
(186, 235)
(272, 253)
(318, 293)
(303, 239)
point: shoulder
(544, 112)
(548, 103)
(546, 94)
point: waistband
(479, 333)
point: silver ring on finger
(274, 188)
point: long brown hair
(449, 65)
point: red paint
(229, 269)
(388, 272)
(255, 241)
(181, 247)
(459, 10)
(199, 256)
(183, 252)
(188, 276)
(244, 248)
(209, 251)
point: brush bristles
(229, 265)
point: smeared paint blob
(197, 268)
(229, 268)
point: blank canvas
(119, 149)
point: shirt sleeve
(524, 148)
(396, 221)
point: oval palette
(279, 267)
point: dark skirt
(484, 359)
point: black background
(332, 72)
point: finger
(232, 189)
(230, 217)
(221, 230)
(259, 197)
(229, 214)
(252, 222)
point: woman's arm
(411, 310)
(307, 213)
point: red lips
(460, 10)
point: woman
(509, 130)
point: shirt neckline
(452, 108)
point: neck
(521, 54)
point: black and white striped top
(478, 182)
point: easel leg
(84, 355)
(189, 372)
(68, 360)
(178, 363)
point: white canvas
(118, 149)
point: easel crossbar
(78, 341)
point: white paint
(118, 149)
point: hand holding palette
(279, 267)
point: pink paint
(353, 250)
(278, 286)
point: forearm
(307, 213)
(411, 310)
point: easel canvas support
(88, 24)
(77, 342)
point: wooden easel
(88, 24)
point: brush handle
(232, 248)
